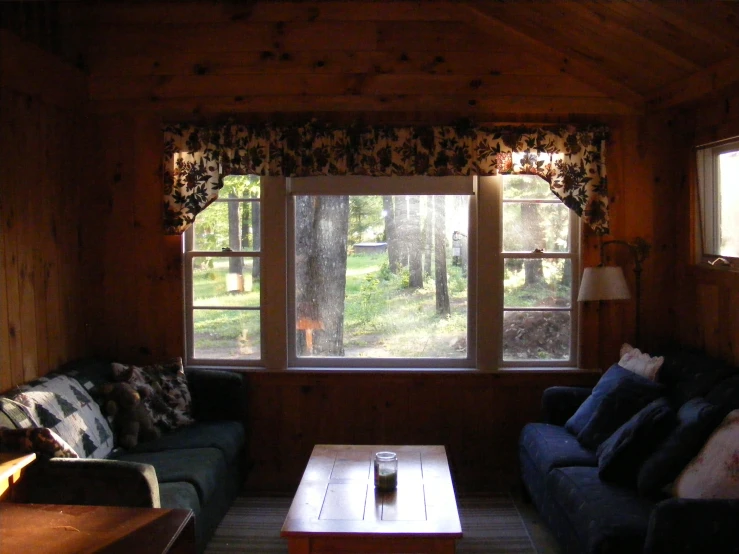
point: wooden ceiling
(473, 58)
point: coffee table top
(337, 496)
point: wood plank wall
(43, 144)
(143, 73)
(708, 313)
(131, 273)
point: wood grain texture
(44, 141)
(476, 416)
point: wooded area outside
(383, 276)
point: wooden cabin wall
(141, 78)
(708, 313)
(45, 154)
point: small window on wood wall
(222, 275)
(718, 195)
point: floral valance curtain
(197, 158)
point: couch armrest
(90, 482)
(679, 525)
(216, 395)
(558, 404)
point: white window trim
(494, 194)
(708, 220)
(359, 185)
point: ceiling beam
(480, 15)
(694, 87)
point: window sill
(399, 370)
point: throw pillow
(608, 381)
(621, 454)
(615, 383)
(44, 442)
(640, 362)
(16, 413)
(714, 472)
(696, 420)
(163, 388)
(616, 407)
(64, 406)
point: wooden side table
(12, 465)
(63, 529)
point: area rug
(490, 524)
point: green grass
(380, 314)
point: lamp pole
(639, 248)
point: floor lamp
(608, 282)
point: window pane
(226, 334)
(536, 335)
(366, 276)
(729, 200)
(225, 281)
(240, 186)
(537, 283)
(526, 187)
(233, 220)
(528, 226)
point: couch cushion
(201, 467)
(179, 495)
(615, 381)
(714, 472)
(615, 408)
(64, 406)
(607, 518)
(227, 436)
(697, 418)
(621, 455)
(551, 446)
(690, 373)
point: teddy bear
(131, 421)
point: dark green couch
(199, 467)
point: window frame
(370, 186)
(708, 211)
(485, 265)
(495, 194)
(189, 254)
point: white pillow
(640, 362)
(714, 472)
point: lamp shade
(603, 283)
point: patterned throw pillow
(44, 442)
(714, 472)
(64, 406)
(164, 390)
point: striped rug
(491, 525)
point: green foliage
(366, 222)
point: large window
(222, 275)
(389, 272)
(718, 183)
(380, 279)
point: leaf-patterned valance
(196, 159)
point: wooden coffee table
(337, 509)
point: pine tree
(46, 418)
(67, 408)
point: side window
(718, 186)
(222, 275)
(539, 247)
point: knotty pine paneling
(708, 306)
(45, 147)
(476, 416)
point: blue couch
(200, 467)
(631, 513)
